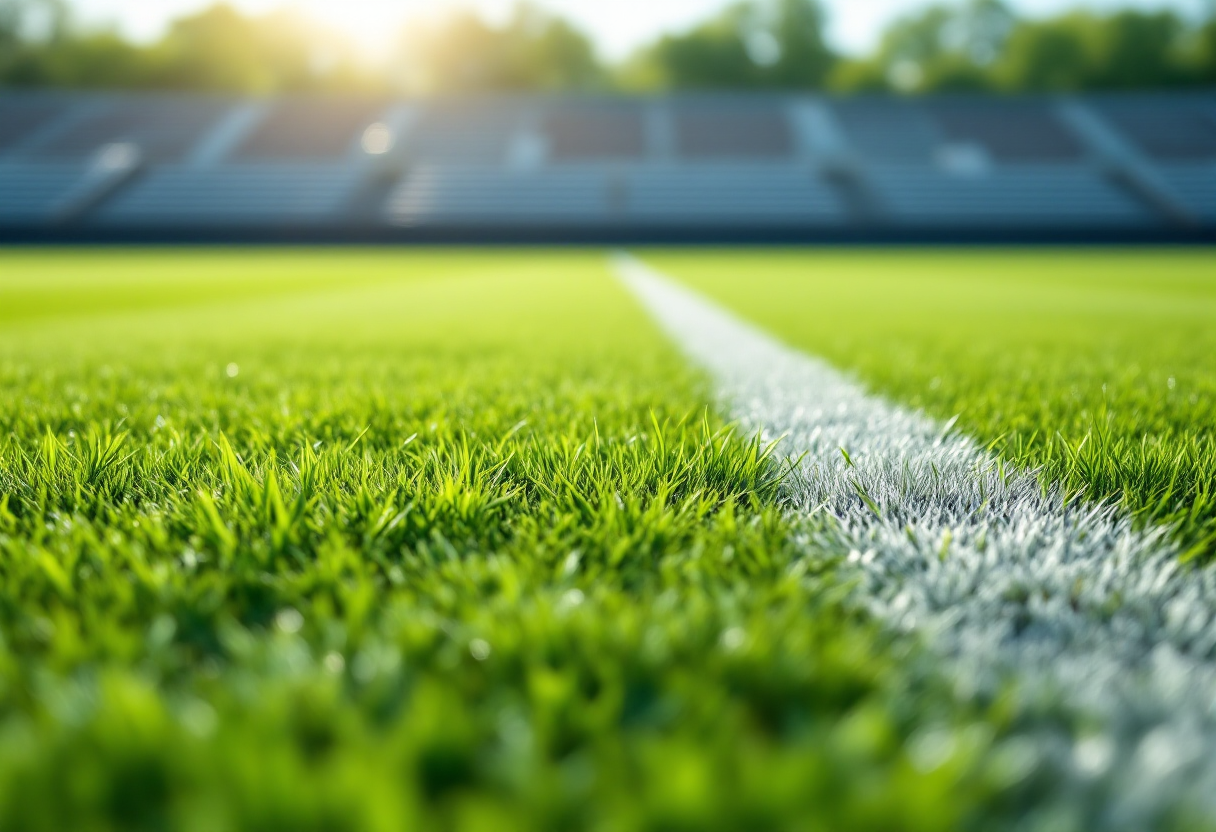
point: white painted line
(1108, 640)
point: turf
(1095, 366)
(372, 540)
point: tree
(10, 24)
(982, 46)
(1204, 54)
(770, 44)
(1082, 51)
(217, 49)
(221, 49)
(944, 48)
(534, 50)
(40, 48)
(38, 20)
(979, 45)
(1048, 56)
(1137, 50)
(548, 53)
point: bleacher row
(715, 165)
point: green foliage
(753, 44)
(534, 50)
(428, 541)
(1095, 367)
(38, 19)
(774, 44)
(223, 49)
(100, 60)
(982, 46)
(216, 49)
(939, 48)
(1127, 50)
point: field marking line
(1010, 583)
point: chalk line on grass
(1102, 633)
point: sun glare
(374, 26)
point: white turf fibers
(1106, 643)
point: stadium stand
(780, 195)
(22, 117)
(277, 194)
(308, 130)
(733, 130)
(162, 128)
(596, 131)
(32, 194)
(296, 163)
(707, 167)
(488, 196)
(1034, 197)
(887, 132)
(1179, 141)
(1009, 132)
(984, 163)
(465, 133)
(1166, 131)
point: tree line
(979, 45)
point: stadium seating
(1180, 141)
(578, 132)
(234, 195)
(983, 163)
(1028, 196)
(22, 117)
(733, 130)
(488, 196)
(886, 131)
(1010, 132)
(163, 128)
(594, 195)
(1195, 186)
(32, 193)
(297, 163)
(722, 165)
(464, 133)
(308, 130)
(734, 194)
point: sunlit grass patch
(458, 546)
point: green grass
(383, 541)
(1096, 366)
(372, 540)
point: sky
(617, 25)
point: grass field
(436, 540)
(1094, 366)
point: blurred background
(681, 119)
(427, 48)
